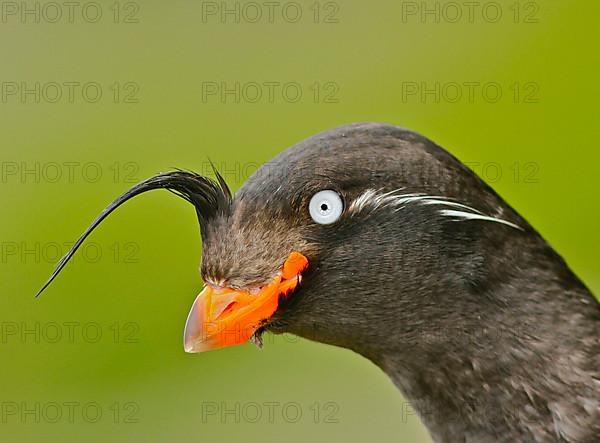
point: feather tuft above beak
(208, 196)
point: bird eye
(326, 207)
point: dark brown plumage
(428, 273)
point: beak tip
(188, 347)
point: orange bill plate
(223, 316)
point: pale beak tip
(192, 328)
(188, 347)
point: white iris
(326, 207)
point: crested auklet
(373, 238)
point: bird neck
(518, 378)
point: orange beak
(223, 317)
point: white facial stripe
(368, 199)
(450, 203)
(470, 216)
(372, 200)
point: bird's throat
(509, 386)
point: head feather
(209, 197)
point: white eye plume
(326, 207)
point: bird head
(355, 237)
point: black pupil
(324, 207)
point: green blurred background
(135, 282)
